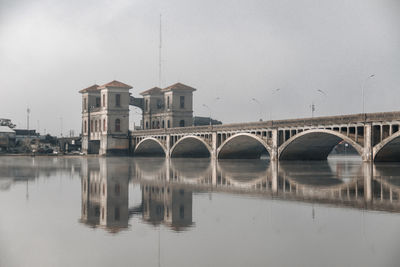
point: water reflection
(167, 186)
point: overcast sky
(234, 50)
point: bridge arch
(315, 144)
(191, 146)
(150, 147)
(388, 149)
(243, 146)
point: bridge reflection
(167, 186)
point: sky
(231, 51)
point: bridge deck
(317, 121)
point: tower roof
(115, 84)
(89, 89)
(154, 90)
(180, 87)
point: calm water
(189, 212)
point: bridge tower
(105, 118)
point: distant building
(7, 138)
(200, 121)
(169, 107)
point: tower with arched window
(105, 118)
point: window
(91, 126)
(117, 125)
(158, 124)
(84, 104)
(104, 125)
(163, 124)
(104, 100)
(85, 127)
(153, 124)
(97, 102)
(147, 125)
(169, 124)
(104, 189)
(102, 213)
(182, 212)
(159, 104)
(182, 123)
(147, 105)
(95, 126)
(117, 100)
(99, 125)
(116, 214)
(97, 211)
(168, 102)
(182, 101)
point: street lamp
(313, 106)
(209, 110)
(258, 102)
(363, 91)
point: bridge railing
(318, 121)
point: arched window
(163, 124)
(117, 125)
(147, 125)
(95, 125)
(85, 127)
(168, 102)
(169, 124)
(104, 125)
(104, 100)
(91, 126)
(182, 123)
(158, 124)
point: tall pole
(363, 91)
(209, 110)
(28, 111)
(159, 56)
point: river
(111, 211)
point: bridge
(375, 137)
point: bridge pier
(214, 146)
(367, 155)
(275, 145)
(168, 147)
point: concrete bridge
(375, 136)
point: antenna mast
(159, 56)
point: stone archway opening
(243, 147)
(149, 148)
(389, 151)
(190, 147)
(316, 145)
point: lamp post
(363, 91)
(258, 102)
(313, 106)
(209, 110)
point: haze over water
(94, 211)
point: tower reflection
(167, 186)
